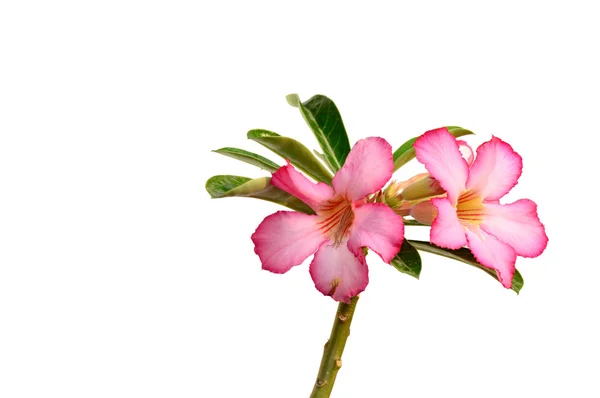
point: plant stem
(331, 362)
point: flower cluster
(459, 198)
(339, 218)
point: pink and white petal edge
(466, 151)
(446, 230)
(496, 169)
(518, 225)
(377, 227)
(493, 254)
(285, 239)
(438, 151)
(367, 169)
(338, 273)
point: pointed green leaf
(406, 152)
(249, 157)
(224, 186)
(288, 148)
(457, 131)
(408, 260)
(323, 118)
(464, 255)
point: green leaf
(408, 260)
(249, 157)
(457, 131)
(464, 255)
(323, 159)
(406, 152)
(224, 186)
(323, 118)
(288, 148)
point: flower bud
(423, 188)
(424, 212)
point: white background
(119, 277)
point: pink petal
(285, 239)
(446, 230)
(295, 183)
(466, 151)
(516, 224)
(424, 212)
(368, 167)
(438, 151)
(493, 254)
(338, 273)
(496, 169)
(377, 227)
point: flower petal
(493, 254)
(285, 239)
(446, 230)
(516, 224)
(377, 227)
(338, 273)
(368, 167)
(466, 151)
(496, 169)
(295, 183)
(438, 151)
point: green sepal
(324, 119)
(249, 157)
(464, 255)
(406, 152)
(288, 148)
(225, 186)
(408, 260)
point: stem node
(331, 361)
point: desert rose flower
(344, 223)
(471, 213)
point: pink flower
(343, 223)
(471, 214)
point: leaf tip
(260, 133)
(458, 131)
(209, 186)
(293, 100)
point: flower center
(335, 219)
(469, 208)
